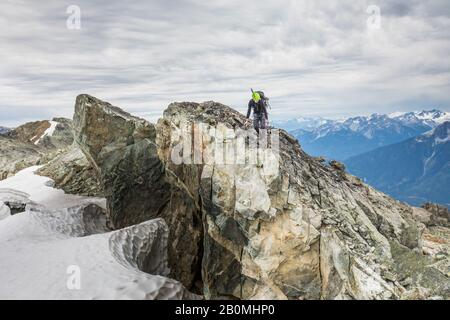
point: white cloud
(311, 57)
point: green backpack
(264, 98)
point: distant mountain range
(342, 139)
(415, 171)
(303, 123)
(404, 154)
(4, 130)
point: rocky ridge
(33, 143)
(288, 227)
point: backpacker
(264, 98)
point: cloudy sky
(328, 58)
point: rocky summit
(252, 216)
(33, 143)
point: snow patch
(426, 163)
(442, 140)
(354, 126)
(368, 134)
(435, 117)
(49, 132)
(439, 137)
(396, 114)
(4, 211)
(37, 262)
(38, 190)
(61, 248)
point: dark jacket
(258, 108)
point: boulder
(73, 173)
(439, 215)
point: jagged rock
(72, 172)
(439, 215)
(427, 274)
(62, 136)
(16, 155)
(32, 144)
(136, 183)
(266, 233)
(54, 134)
(30, 132)
(320, 159)
(337, 165)
(15, 207)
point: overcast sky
(310, 57)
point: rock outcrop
(16, 155)
(32, 144)
(439, 215)
(61, 137)
(30, 132)
(288, 227)
(72, 172)
(134, 180)
(257, 221)
(54, 134)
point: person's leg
(256, 122)
(262, 134)
(262, 120)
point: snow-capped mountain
(304, 123)
(416, 170)
(341, 139)
(431, 117)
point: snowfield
(61, 247)
(4, 211)
(40, 191)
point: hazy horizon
(154, 118)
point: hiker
(259, 106)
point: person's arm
(249, 110)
